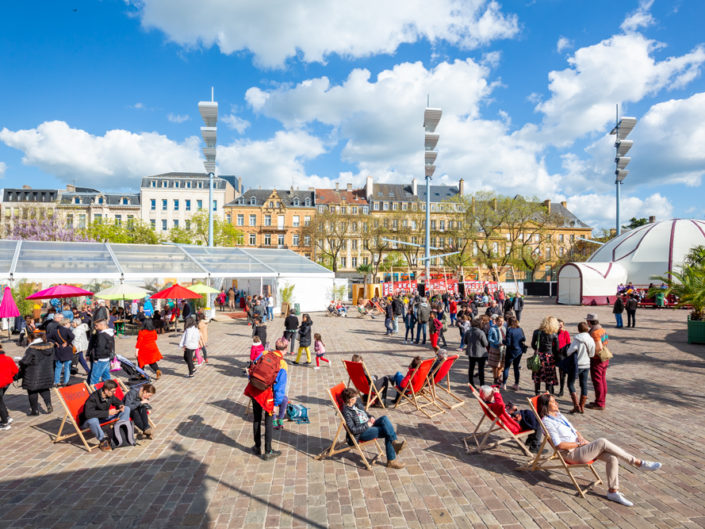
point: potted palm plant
(688, 284)
(287, 293)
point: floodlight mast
(621, 130)
(431, 117)
(209, 113)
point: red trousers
(434, 340)
(598, 373)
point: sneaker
(515, 387)
(619, 498)
(256, 450)
(148, 433)
(295, 362)
(398, 446)
(33, 413)
(105, 446)
(593, 406)
(50, 409)
(317, 367)
(503, 387)
(271, 455)
(650, 465)
(395, 464)
(190, 375)
(5, 426)
(10, 420)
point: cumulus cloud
(312, 30)
(3, 168)
(177, 118)
(598, 210)
(235, 122)
(641, 18)
(563, 44)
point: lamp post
(621, 130)
(209, 113)
(431, 117)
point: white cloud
(619, 69)
(563, 44)
(311, 31)
(138, 106)
(177, 118)
(235, 122)
(641, 18)
(598, 210)
(3, 168)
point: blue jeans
(419, 327)
(388, 325)
(395, 321)
(58, 365)
(94, 424)
(382, 429)
(396, 379)
(620, 321)
(100, 371)
(509, 361)
(270, 313)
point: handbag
(533, 363)
(605, 354)
(115, 365)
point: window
(187, 225)
(200, 185)
(280, 239)
(229, 218)
(353, 262)
(176, 223)
(442, 224)
(548, 252)
(188, 184)
(97, 218)
(295, 239)
(188, 204)
(153, 223)
(343, 210)
(296, 221)
(164, 228)
(365, 260)
(154, 183)
(353, 227)
(296, 201)
(375, 206)
(572, 238)
(199, 204)
(176, 205)
(308, 202)
(176, 183)
(271, 204)
(164, 184)
(385, 206)
(307, 220)
(81, 221)
(240, 219)
(561, 251)
(561, 237)
(375, 223)
(153, 204)
(354, 244)
(404, 206)
(69, 221)
(267, 239)
(253, 201)
(343, 262)
(394, 206)
(395, 224)
(100, 200)
(307, 240)
(215, 205)
(433, 224)
(164, 204)
(76, 200)
(321, 209)
(267, 220)
(253, 239)
(354, 210)
(253, 220)
(365, 210)
(118, 220)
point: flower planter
(285, 309)
(696, 331)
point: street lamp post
(621, 130)
(209, 113)
(431, 117)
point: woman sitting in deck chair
(514, 419)
(576, 449)
(400, 381)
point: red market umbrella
(8, 307)
(176, 292)
(60, 291)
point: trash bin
(297, 309)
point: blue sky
(101, 93)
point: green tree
(20, 293)
(134, 232)
(224, 234)
(181, 236)
(635, 223)
(688, 284)
(329, 232)
(365, 270)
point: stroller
(137, 375)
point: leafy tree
(20, 293)
(181, 236)
(224, 234)
(329, 232)
(688, 284)
(635, 223)
(365, 270)
(50, 228)
(134, 232)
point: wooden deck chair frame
(125, 389)
(357, 445)
(481, 438)
(69, 416)
(555, 460)
(372, 394)
(443, 374)
(424, 390)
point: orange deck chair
(335, 397)
(419, 387)
(360, 378)
(441, 374)
(120, 393)
(554, 460)
(73, 399)
(481, 438)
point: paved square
(199, 473)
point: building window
(176, 205)
(154, 183)
(188, 184)
(433, 224)
(153, 224)
(253, 220)
(385, 206)
(164, 184)
(343, 210)
(395, 224)
(69, 221)
(267, 220)
(271, 203)
(321, 209)
(394, 206)
(296, 201)
(295, 239)
(343, 262)
(561, 251)
(365, 260)
(267, 239)
(308, 202)
(253, 201)
(365, 210)
(253, 239)
(215, 205)
(354, 244)
(353, 227)
(548, 252)
(176, 183)
(199, 204)
(375, 206)
(76, 200)
(188, 204)
(81, 221)
(187, 225)
(307, 240)
(296, 221)
(176, 223)
(164, 227)
(354, 210)
(164, 204)
(280, 240)
(572, 239)
(98, 218)
(118, 220)
(200, 185)
(229, 218)
(307, 220)
(353, 262)
(100, 200)
(153, 204)
(125, 202)
(404, 205)
(240, 219)
(442, 224)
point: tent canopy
(589, 283)
(67, 261)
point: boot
(576, 406)
(583, 400)
(159, 374)
(560, 391)
(550, 389)
(537, 388)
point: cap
(591, 317)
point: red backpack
(264, 371)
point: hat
(494, 316)
(591, 317)
(281, 344)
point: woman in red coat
(147, 351)
(8, 370)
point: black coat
(261, 331)
(37, 367)
(101, 346)
(544, 342)
(291, 323)
(398, 307)
(618, 306)
(98, 407)
(62, 338)
(305, 334)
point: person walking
(518, 305)
(515, 342)
(423, 315)
(203, 332)
(398, 308)
(305, 339)
(270, 307)
(80, 342)
(631, 306)
(8, 370)
(563, 363)
(101, 349)
(291, 326)
(146, 348)
(189, 343)
(231, 298)
(475, 342)
(580, 352)
(320, 349)
(544, 342)
(37, 373)
(617, 310)
(598, 367)
(388, 318)
(62, 338)
(409, 323)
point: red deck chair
(360, 378)
(335, 397)
(73, 399)
(496, 425)
(419, 387)
(544, 462)
(120, 393)
(441, 374)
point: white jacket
(584, 346)
(80, 337)
(191, 338)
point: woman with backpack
(544, 342)
(305, 339)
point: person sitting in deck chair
(576, 449)
(137, 400)
(97, 410)
(513, 418)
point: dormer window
(76, 200)
(100, 200)
(271, 203)
(176, 183)
(253, 201)
(241, 200)
(188, 185)
(154, 183)
(125, 201)
(308, 202)
(164, 183)
(296, 201)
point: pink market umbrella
(60, 291)
(8, 307)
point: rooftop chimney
(414, 187)
(547, 203)
(369, 186)
(461, 187)
(337, 186)
(564, 204)
(652, 219)
(349, 187)
(26, 187)
(70, 188)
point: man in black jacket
(97, 411)
(518, 305)
(631, 306)
(101, 349)
(291, 326)
(398, 308)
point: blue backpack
(297, 413)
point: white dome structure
(651, 250)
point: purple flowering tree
(45, 229)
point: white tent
(589, 283)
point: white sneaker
(619, 498)
(5, 426)
(650, 465)
(10, 420)
(317, 367)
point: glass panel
(85, 258)
(154, 259)
(231, 261)
(7, 252)
(287, 262)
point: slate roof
(438, 193)
(219, 182)
(569, 219)
(111, 199)
(404, 192)
(333, 196)
(30, 195)
(286, 196)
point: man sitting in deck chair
(365, 428)
(514, 419)
(97, 410)
(576, 449)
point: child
(256, 349)
(320, 349)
